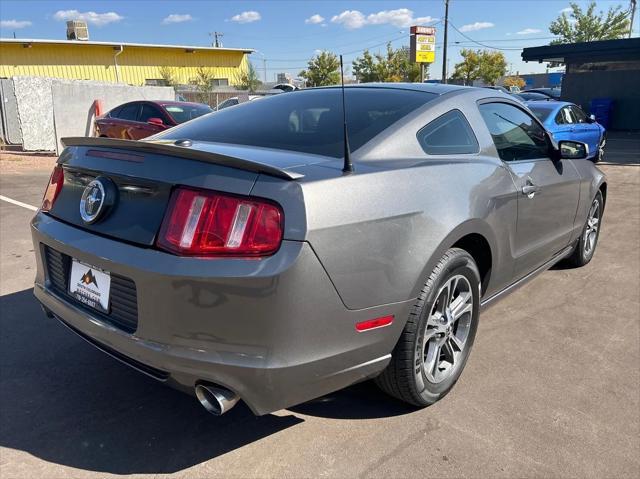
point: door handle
(530, 189)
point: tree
(480, 64)
(401, 66)
(322, 70)
(588, 26)
(168, 75)
(493, 65)
(248, 79)
(468, 69)
(514, 81)
(396, 66)
(204, 84)
(364, 68)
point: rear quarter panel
(380, 234)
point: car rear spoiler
(170, 148)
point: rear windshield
(182, 113)
(308, 121)
(541, 113)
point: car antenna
(348, 166)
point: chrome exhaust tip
(216, 399)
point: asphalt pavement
(552, 387)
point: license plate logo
(90, 285)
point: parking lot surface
(552, 387)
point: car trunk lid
(144, 174)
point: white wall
(73, 102)
(51, 108)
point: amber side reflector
(374, 323)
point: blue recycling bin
(602, 108)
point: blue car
(566, 121)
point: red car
(139, 119)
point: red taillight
(207, 223)
(53, 188)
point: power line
(482, 44)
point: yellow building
(130, 63)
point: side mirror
(592, 118)
(155, 121)
(573, 150)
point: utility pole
(444, 48)
(217, 42)
(633, 14)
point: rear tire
(586, 246)
(435, 343)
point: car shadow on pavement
(361, 401)
(67, 403)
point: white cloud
(472, 27)
(566, 10)
(315, 19)
(400, 18)
(98, 19)
(351, 19)
(177, 18)
(528, 31)
(246, 17)
(14, 24)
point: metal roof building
(120, 62)
(608, 69)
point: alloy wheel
(447, 329)
(591, 229)
(601, 149)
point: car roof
(435, 88)
(177, 103)
(547, 105)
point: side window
(564, 117)
(449, 134)
(149, 111)
(115, 113)
(578, 114)
(516, 134)
(129, 112)
(568, 115)
(228, 103)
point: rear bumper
(274, 331)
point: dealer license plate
(90, 285)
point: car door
(548, 190)
(127, 121)
(585, 131)
(143, 127)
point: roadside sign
(423, 44)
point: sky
(288, 33)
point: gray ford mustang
(238, 257)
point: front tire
(437, 339)
(586, 246)
(600, 153)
